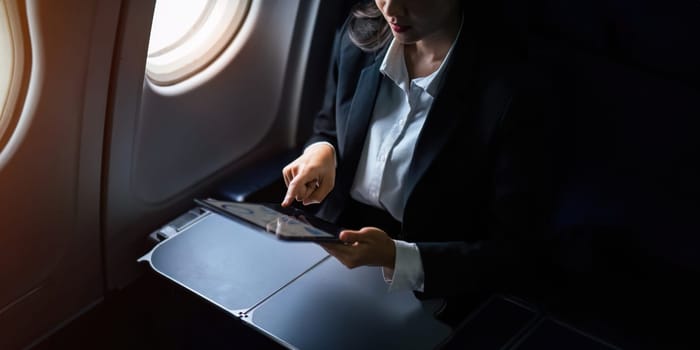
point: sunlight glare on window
(174, 21)
(7, 59)
(14, 69)
(187, 35)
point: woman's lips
(398, 28)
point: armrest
(495, 324)
(260, 183)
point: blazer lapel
(360, 114)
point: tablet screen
(285, 223)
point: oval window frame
(17, 49)
(200, 46)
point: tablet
(290, 224)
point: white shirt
(399, 113)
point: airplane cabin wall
(167, 145)
(50, 256)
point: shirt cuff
(408, 268)
(316, 144)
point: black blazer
(471, 201)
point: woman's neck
(425, 56)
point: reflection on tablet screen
(286, 223)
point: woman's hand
(310, 177)
(368, 246)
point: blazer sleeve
(509, 256)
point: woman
(416, 151)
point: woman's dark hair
(367, 28)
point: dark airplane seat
(629, 117)
(495, 324)
(657, 37)
(551, 333)
(627, 86)
(630, 152)
(580, 24)
(507, 322)
(628, 201)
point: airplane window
(12, 67)
(188, 35)
(5, 69)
